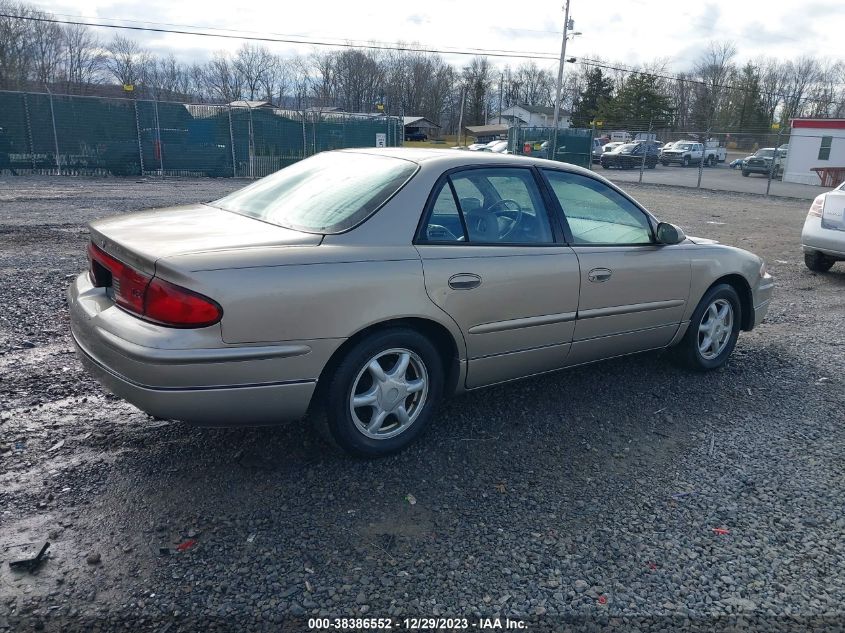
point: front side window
(499, 205)
(596, 213)
(327, 193)
(824, 149)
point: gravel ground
(624, 495)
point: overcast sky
(630, 31)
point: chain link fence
(798, 163)
(42, 133)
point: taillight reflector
(818, 206)
(150, 297)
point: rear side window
(327, 193)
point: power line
(396, 47)
(290, 40)
(301, 38)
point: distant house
(814, 143)
(487, 133)
(418, 126)
(525, 115)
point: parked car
(761, 163)
(609, 147)
(666, 146)
(823, 236)
(630, 155)
(497, 147)
(416, 136)
(364, 285)
(474, 147)
(687, 153)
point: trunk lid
(140, 239)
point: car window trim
(650, 219)
(420, 238)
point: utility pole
(559, 87)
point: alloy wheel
(389, 393)
(715, 329)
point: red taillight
(173, 305)
(128, 284)
(149, 297)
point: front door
(492, 261)
(633, 290)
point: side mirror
(669, 234)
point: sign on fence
(381, 139)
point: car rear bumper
(816, 238)
(192, 375)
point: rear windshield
(327, 193)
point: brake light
(149, 297)
(128, 284)
(817, 206)
(169, 304)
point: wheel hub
(389, 393)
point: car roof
(451, 158)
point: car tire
(693, 351)
(352, 428)
(710, 162)
(817, 262)
(665, 163)
(685, 161)
(745, 173)
(605, 166)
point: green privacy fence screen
(573, 145)
(44, 133)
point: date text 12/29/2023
(414, 624)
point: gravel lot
(590, 496)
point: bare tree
(126, 61)
(16, 50)
(222, 81)
(82, 58)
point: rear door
(633, 290)
(495, 263)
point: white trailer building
(816, 149)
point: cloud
(707, 23)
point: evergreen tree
(597, 93)
(638, 103)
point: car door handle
(598, 275)
(464, 281)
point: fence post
(251, 144)
(232, 144)
(29, 131)
(772, 165)
(158, 140)
(55, 134)
(138, 130)
(645, 148)
(703, 154)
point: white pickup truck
(687, 153)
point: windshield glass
(627, 148)
(683, 146)
(327, 193)
(765, 153)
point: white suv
(823, 236)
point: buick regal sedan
(366, 285)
